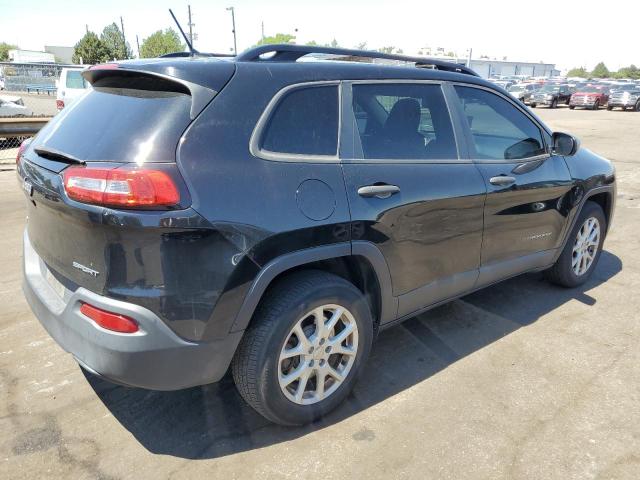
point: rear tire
(580, 255)
(637, 106)
(533, 105)
(554, 103)
(609, 107)
(596, 105)
(288, 319)
(572, 107)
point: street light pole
(233, 22)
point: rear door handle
(378, 191)
(502, 180)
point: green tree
(628, 72)
(333, 44)
(578, 72)
(90, 50)
(277, 38)
(160, 43)
(114, 40)
(312, 43)
(361, 46)
(4, 51)
(600, 71)
(390, 49)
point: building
(61, 54)
(30, 56)
(487, 68)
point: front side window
(305, 122)
(500, 131)
(403, 121)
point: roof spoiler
(118, 76)
(291, 53)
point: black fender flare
(389, 303)
(594, 191)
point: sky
(519, 30)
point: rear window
(305, 122)
(120, 124)
(75, 80)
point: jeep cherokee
(270, 215)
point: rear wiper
(53, 154)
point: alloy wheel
(585, 247)
(318, 354)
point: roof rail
(291, 53)
(197, 54)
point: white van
(71, 86)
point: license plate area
(54, 283)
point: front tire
(306, 345)
(596, 105)
(554, 103)
(582, 251)
(533, 105)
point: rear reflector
(109, 320)
(121, 187)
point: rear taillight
(109, 320)
(121, 187)
(23, 146)
(59, 104)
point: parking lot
(523, 380)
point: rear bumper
(154, 357)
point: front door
(409, 191)
(526, 208)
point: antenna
(186, 39)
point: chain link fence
(9, 149)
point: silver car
(523, 91)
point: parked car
(503, 83)
(551, 95)
(2, 83)
(591, 96)
(523, 91)
(191, 213)
(12, 106)
(626, 96)
(71, 86)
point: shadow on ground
(213, 420)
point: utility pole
(191, 25)
(138, 44)
(86, 26)
(124, 39)
(233, 22)
(263, 30)
(469, 58)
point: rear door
(526, 208)
(410, 192)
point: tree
(160, 43)
(390, 49)
(277, 38)
(333, 44)
(578, 72)
(4, 51)
(90, 50)
(312, 43)
(600, 71)
(114, 41)
(628, 72)
(361, 46)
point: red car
(591, 96)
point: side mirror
(564, 144)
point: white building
(30, 56)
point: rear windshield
(75, 80)
(120, 124)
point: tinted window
(75, 80)
(120, 124)
(500, 131)
(403, 121)
(304, 122)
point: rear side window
(500, 131)
(305, 122)
(75, 80)
(403, 121)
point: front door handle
(378, 191)
(502, 180)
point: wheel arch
(359, 262)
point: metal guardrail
(13, 131)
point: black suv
(272, 215)
(551, 95)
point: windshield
(591, 89)
(623, 87)
(75, 80)
(550, 88)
